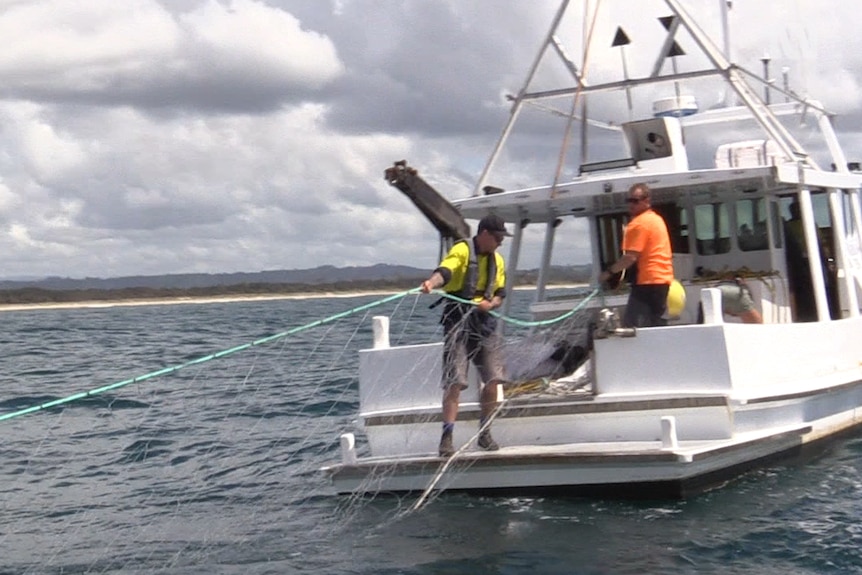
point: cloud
(148, 137)
(152, 186)
(236, 56)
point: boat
(665, 411)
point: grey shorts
(735, 299)
(461, 347)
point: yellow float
(675, 299)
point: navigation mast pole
(518, 100)
(767, 120)
(725, 6)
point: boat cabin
(739, 218)
(682, 405)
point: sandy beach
(183, 300)
(220, 299)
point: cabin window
(819, 205)
(610, 229)
(798, 253)
(610, 237)
(751, 229)
(676, 219)
(712, 229)
(777, 223)
(822, 220)
(680, 236)
(822, 214)
(847, 201)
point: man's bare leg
(451, 397)
(487, 404)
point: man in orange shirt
(646, 242)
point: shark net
(214, 460)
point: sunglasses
(499, 236)
(633, 200)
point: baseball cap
(493, 223)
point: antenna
(766, 79)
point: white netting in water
(213, 464)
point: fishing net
(211, 462)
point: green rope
(525, 323)
(262, 341)
(217, 355)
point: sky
(149, 137)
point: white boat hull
(666, 429)
(682, 406)
(634, 469)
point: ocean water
(214, 467)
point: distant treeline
(36, 295)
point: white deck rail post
(710, 300)
(668, 432)
(348, 449)
(380, 326)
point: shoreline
(97, 304)
(94, 304)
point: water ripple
(215, 469)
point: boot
(446, 448)
(487, 442)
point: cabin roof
(599, 192)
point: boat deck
(606, 450)
(578, 467)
